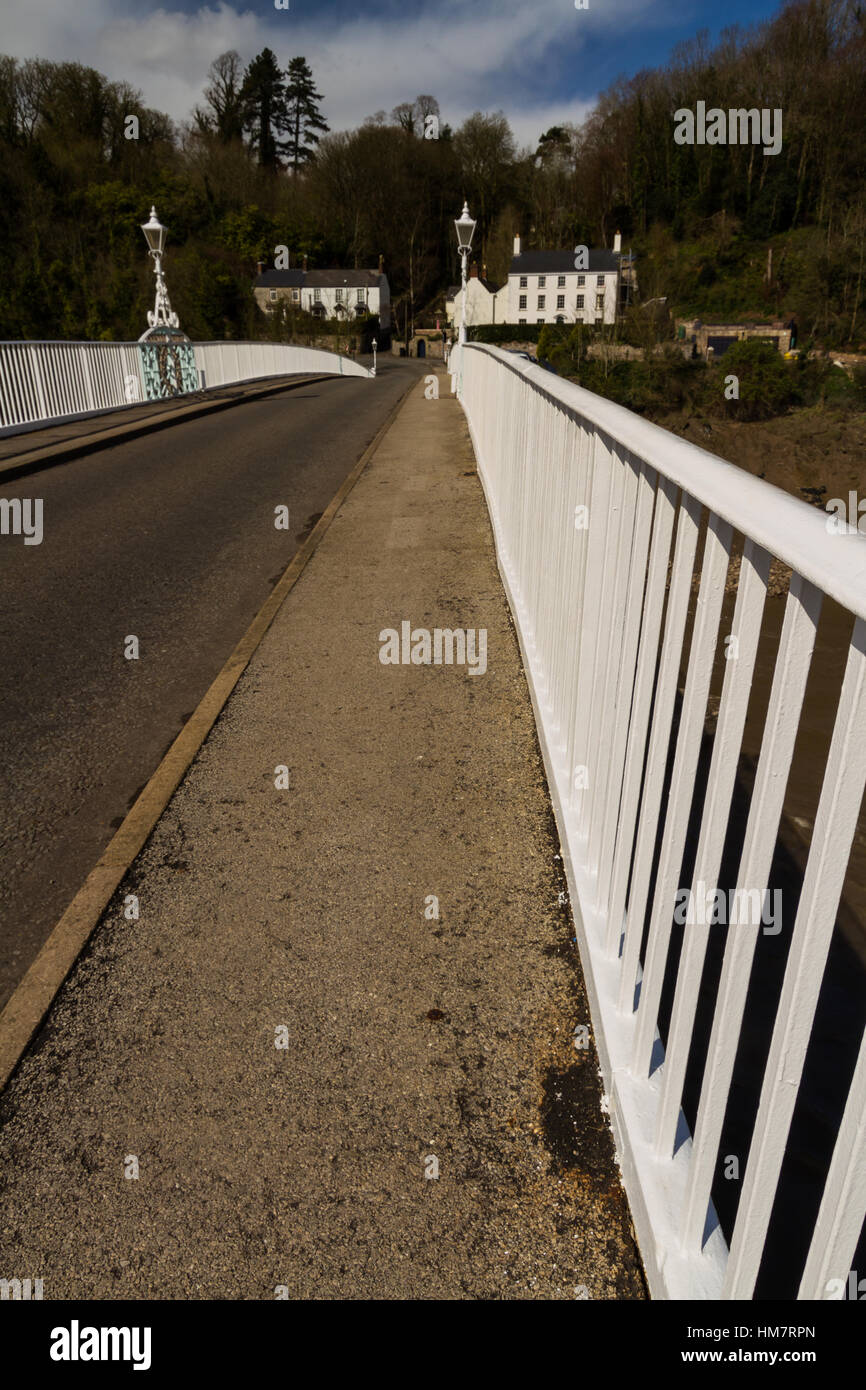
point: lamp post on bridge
(161, 315)
(465, 229)
(373, 368)
(166, 355)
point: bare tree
(405, 115)
(224, 115)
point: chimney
(473, 273)
(261, 266)
(517, 245)
(617, 244)
(305, 265)
(484, 272)
(381, 265)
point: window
(296, 296)
(599, 302)
(272, 295)
(560, 280)
(362, 297)
(542, 281)
(581, 279)
(521, 320)
(524, 282)
(338, 297)
(541, 299)
(580, 299)
(522, 303)
(560, 301)
(317, 296)
(539, 320)
(599, 279)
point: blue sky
(541, 61)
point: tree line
(256, 166)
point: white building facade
(484, 302)
(546, 286)
(327, 294)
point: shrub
(504, 332)
(768, 385)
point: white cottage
(546, 287)
(484, 302)
(327, 294)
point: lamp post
(373, 369)
(160, 316)
(465, 228)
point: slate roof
(453, 290)
(282, 279)
(560, 262)
(319, 279)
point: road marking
(35, 994)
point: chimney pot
(261, 266)
(305, 263)
(617, 243)
(517, 245)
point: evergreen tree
(264, 97)
(305, 123)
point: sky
(542, 62)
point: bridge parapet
(47, 382)
(598, 516)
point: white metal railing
(42, 383)
(601, 608)
(224, 363)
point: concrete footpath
(326, 1089)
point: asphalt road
(171, 538)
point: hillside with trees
(256, 166)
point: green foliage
(504, 332)
(656, 385)
(257, 169)
(768, 385)
(665, 382)
(287, 323)
(250, 232)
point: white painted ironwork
(598, 516)
(45, 383)
(161, 315)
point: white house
(327, 294)
(484, 302)
(545, 286)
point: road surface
(170, 538)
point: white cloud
(493, 54)
(530, 122)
